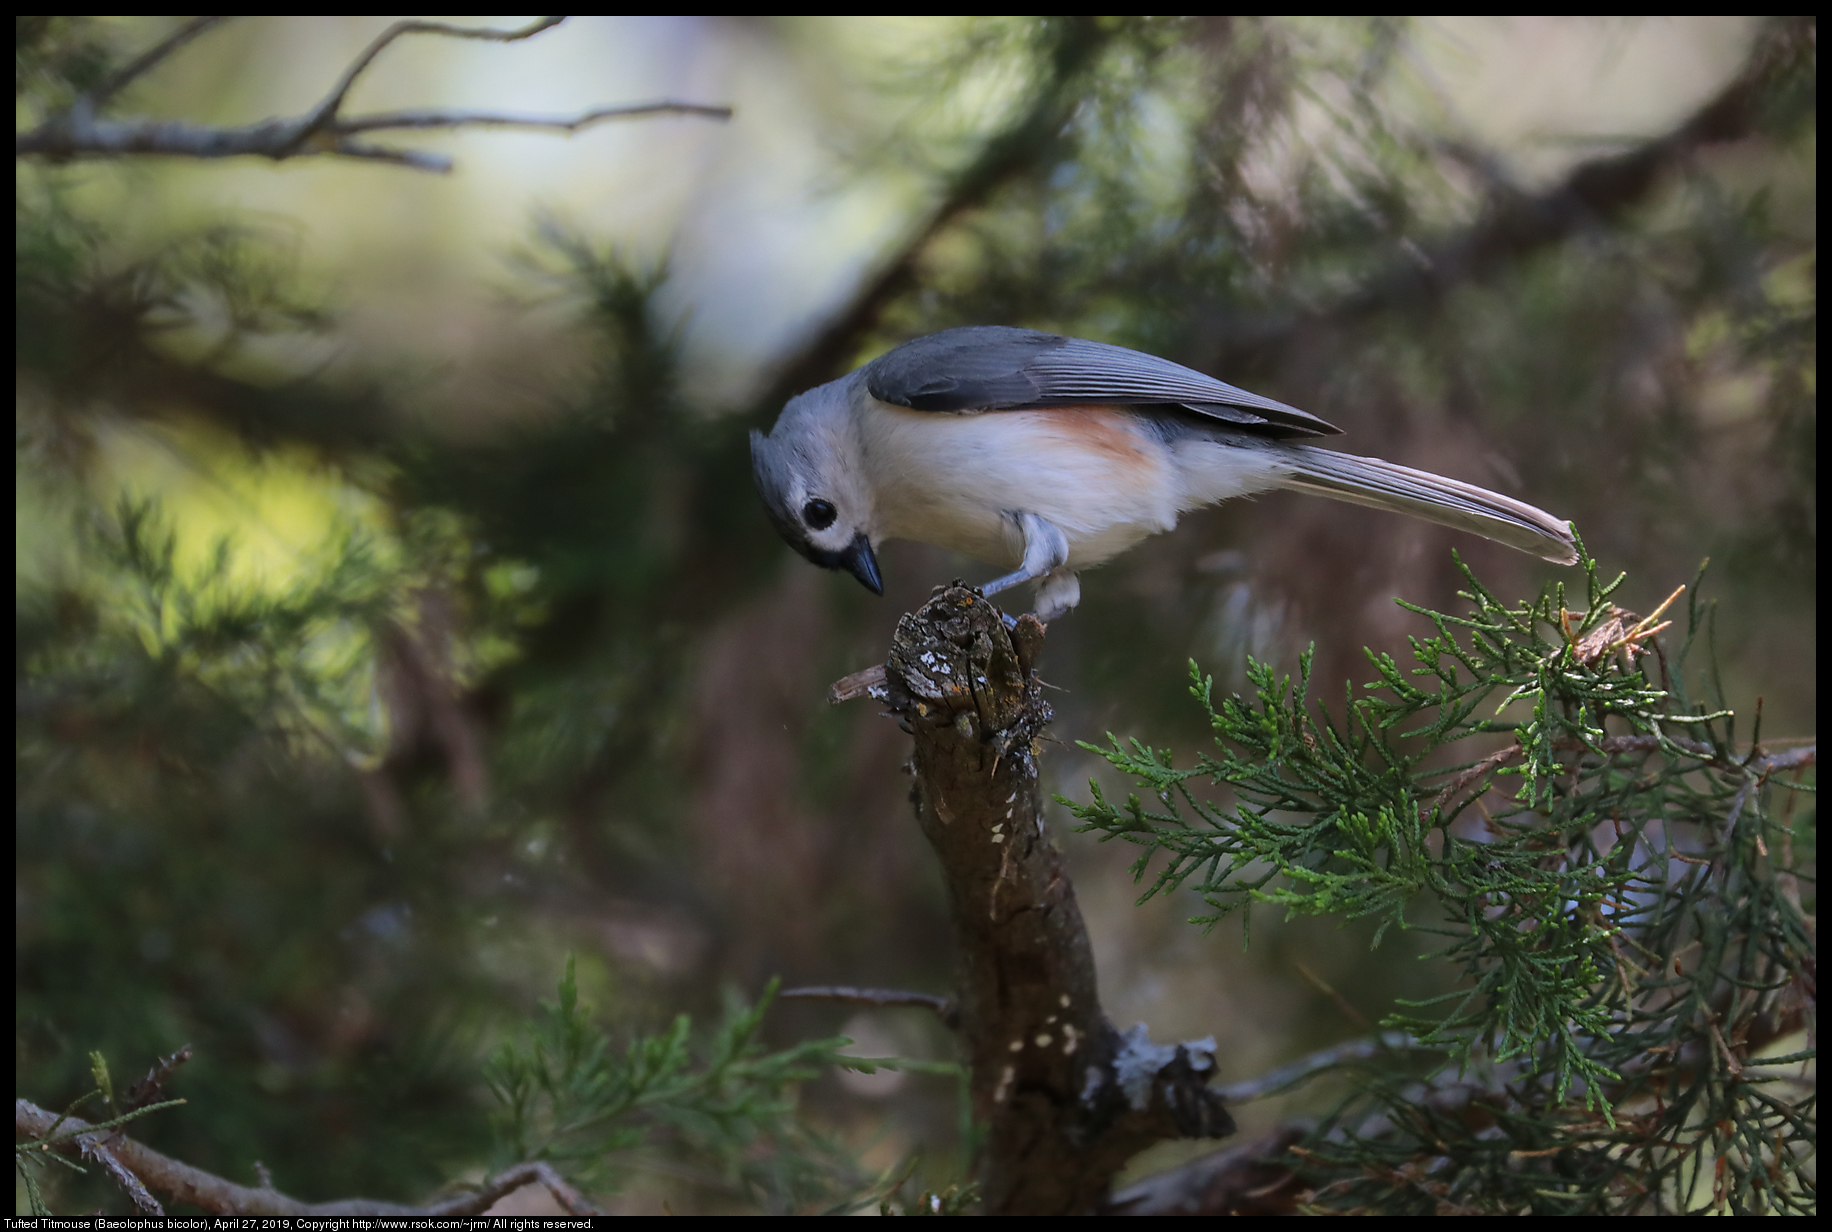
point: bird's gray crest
(801, 457)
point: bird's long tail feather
(1382, 485)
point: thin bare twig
(1284, 1076)
(326, 111)
(151, 1089)
(496, 119)
(1343, 1005)
(79, 133)
(147, 60)
(512, 1179)
(882, 998)
(1493, 761)
(859, 684)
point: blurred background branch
(1765, 97)
(78, 131)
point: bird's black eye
(819, 514)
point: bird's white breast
(1102, 475)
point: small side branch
(79, 132)
(879, 998)
(868, 683)
(139, 1168)
(1329, 1058)
(149, 59)
(333, 102)
(507, 1182)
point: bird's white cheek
(835, 538)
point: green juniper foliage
(1627, 919)
(728, 1107)
(35, 1153)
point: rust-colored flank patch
(1110, 431)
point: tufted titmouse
(1047, 455)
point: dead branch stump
(1064, 1099)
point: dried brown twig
(138, 1168)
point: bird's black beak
(858, 560)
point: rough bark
(137, 1168)
(1063, 1098)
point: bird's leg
(1045, 548)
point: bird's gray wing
(997, 368)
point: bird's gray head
(813, 487)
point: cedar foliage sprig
(1626, 920)
(724, 1110)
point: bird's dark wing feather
(996, 368)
